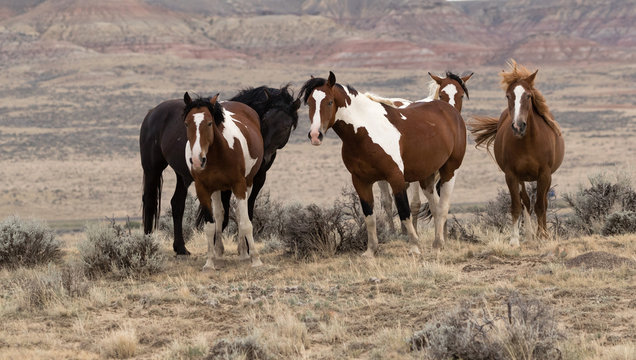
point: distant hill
(356, 33)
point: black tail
(151, 200)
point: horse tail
(198, 224)
(484, 129)
(151, 200)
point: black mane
(257, 99)
(459, 81)
(216, 110)
(309, 86)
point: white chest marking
(450, 90)
(371, 115)
(318, 96)
(196, 149)
(519, 90)
(231, 131)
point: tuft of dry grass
(120, 344)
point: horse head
(201, 117)
(279, 120)
(519, 94)
(452, 88)
(323, 100)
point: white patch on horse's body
(402, 116)
(231, 131)
(451, 90)
(196, 149)
(318, 96)
(519, 90)
(371, 115)
(428, 99)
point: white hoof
(514, 242)
(256, 262)
(209, 266)
(244, 256)
(368, 254)
(414, 250)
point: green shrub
(111, 248)
(27, 243)
(621, 222)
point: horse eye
(186, 124)
(210, 123)
(507, 96)
(330, 102)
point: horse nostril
(203, 159)
(320, 136)
(191, 161)
(309, 135)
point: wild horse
(162, 142)
(528, 145)
(381, 142)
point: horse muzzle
(198, 162)
(520, 130)
(315, 137)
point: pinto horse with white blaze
(528, 145)
(380, 142)
(224, 152)
(450, 89)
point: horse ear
(267, 96)
(296, 104)
(530, 79)
(312, 77)
(213, 99)
(465, 78)
(436, 78)
(186, 98)
(331, 81)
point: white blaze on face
(450, 90)
(371, 115)
(194, 153)
(231, 131)
(318, 96)
(519, 91)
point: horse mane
(309, 86)
(519, 72)
(261, 102)
(215, 109)
(386, 101)
(459, 81)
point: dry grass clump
(27, 243)
(111, 248)
(620, 222)
(120, 344)
(592, 205)
(39, 288)
(268, 220)
(190, 214)
(247, 348)
(526, 331)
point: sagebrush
(27, 243)
(189, 219)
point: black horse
(162, 142)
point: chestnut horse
(162, 141)
(451, 89)
(528, 145)
(380, 142)
(224, 152)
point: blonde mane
(519, 72)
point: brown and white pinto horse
(528, 145)
(224, 152)
(380, 142)
(450, 89)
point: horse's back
(245, 114)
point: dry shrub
(27, 243)
(525, 331)
(268, 219)
(621, 222)
(592, 205)
(247, 348)
(190, 214)
(461, 232)
(120, 344)
(37, 289)
(111, 248)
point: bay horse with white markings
(528, 145)
(224, 152)
(162, 142)
(380, 142)
(450, 89)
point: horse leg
(245, 233)
(226, 195)
(413, 192)
(527, 219)
(541, 206)
(402, 204)
(432, 196)
(219, 212)
(205, 199)
(515, 207)
(257, 185)
(387, 203)
(178, 207)
(365, 193)
(447, 181)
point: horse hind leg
(432, 196)
(365, 194)
(541, 205)
(447, 181)
(413, 194)
(387, 203)
(246, 230)
(527, 219)
(177, 204)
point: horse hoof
(369, 254)
(256, 262)
(244, 257)
(415, 251)
(183, 251)
(514, 242)
(438, 244)
(209, 266)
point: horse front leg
(209, 228)
(413, 193)
(541, 206)
(387, 203)
(365, 193)
(178, 207)
(245, 228)
(515, 207)
(447, 181)
(219, 213)
(527, 219)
